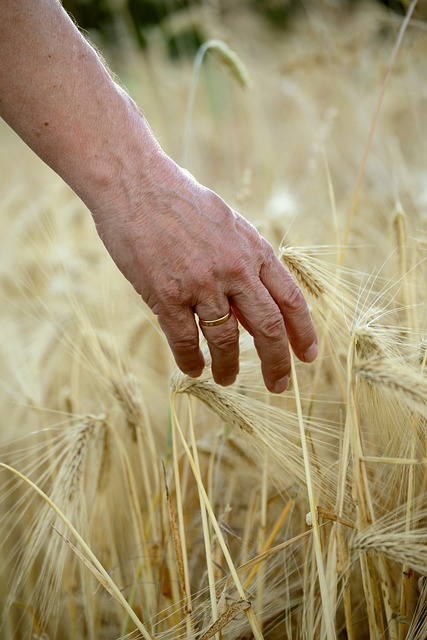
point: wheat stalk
(100, 572)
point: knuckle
(226, 340)
(164, 301)
(280, 368)
(184, 344)
(237, 271)
(294, 299)
(205, 282)
(277, 366)
(174, 296)
(268, 251)
(272, 327)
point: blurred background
(111, 19)
(312, 73)
(276, 116)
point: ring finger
(220, 328)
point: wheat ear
(106, 579)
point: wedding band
(218, 321)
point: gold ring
(218, 321)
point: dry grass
(186, 510)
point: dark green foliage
(395, 5)
(186, 42)
(147, 13)
(279, 13)
(91, 14)
(141, 15)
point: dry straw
(230, 61)
(134, 507)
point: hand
(183, 249)
(185, 252)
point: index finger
(294, 308)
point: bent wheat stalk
(106, 579)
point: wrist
(121, 157)
(106, 142)
(133, 177)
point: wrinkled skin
(182, 248)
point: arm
(182, 248)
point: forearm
(183, 249)
(57, 95)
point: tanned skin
(181, 246)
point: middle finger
(262, 318)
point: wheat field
(136, 502)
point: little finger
(181, 331)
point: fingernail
(228, 381)
(281, 385)
(311, 354)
